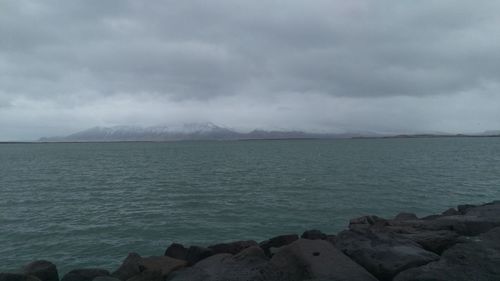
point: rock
(462, 209)
(450, 212)
(477, 260)
(232, 247)
(277, 242)
(384, 254)
(148, 276)
(405, 216)
(85, 274)
(196, 254)
(313, 234)
(17, 277)
(313, 259)
(245, 266)
(135, 265)
(129, 267)
(367, 220)
(44, 270)
(434, 241)
(176, 251)
(162, 264)
(106, 278)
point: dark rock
(135, 265)
(162, 264)
(85, 274)
(313, 234)
(332, 239)
(478, 260)
(176, 251)
(17, 277)
(450, 212)
(313, 259)
(384, 254)
(232, 247)
(129, 267)
(44, 270)
(367, 220)
(148, 276)
(276, 242)
(196, 254)
(462, 209)
(405, 216)
(245, 266)
(106, 278)
(434, 241)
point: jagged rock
(405, 216)
(245, 266)
(84, 274)
(367, 220)
(478, 260)
(277, 242)
(135, 265)
(313, 260)
(44, 270)
(196, 254)
(462, 209)
(105, 278)
(434, 241)
(176, 251)
(232, 247)
(129, 267)
(313, 234)
(384, 254)
(17, 277)
(450, 212)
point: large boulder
(135, 265)
(276, 242)
(17, 277)
(307, 259)
(245, 266)
(232, 247)
(148, 276)
(478, 260)
(176, 251)
(384, 254)
(314, 234)
(44, 270)
(85, 274)
(197, 253)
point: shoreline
(461, 243)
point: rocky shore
(459, 244)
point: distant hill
(192, 131)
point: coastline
(461, 243)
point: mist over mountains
(190, 131)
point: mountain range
(190, 131)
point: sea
(90, 204)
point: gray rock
(148, 276)
(276, 242)
(85, 274)
(307, 259)
(477, 260)
(245, 266)
(405, 216)
(176, 251)
(450, 212)
(232, 247)
(196, 254)
(313, 234)
(129, 267)
(135, 265)
(17, 277)
(384, 254)
(462, 209)
(44, 270)
(105, 278)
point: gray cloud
(279, 62)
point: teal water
(90, 204)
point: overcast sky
(329, 66)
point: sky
(319, 66)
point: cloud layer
(387, 66)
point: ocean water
(89, 204)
